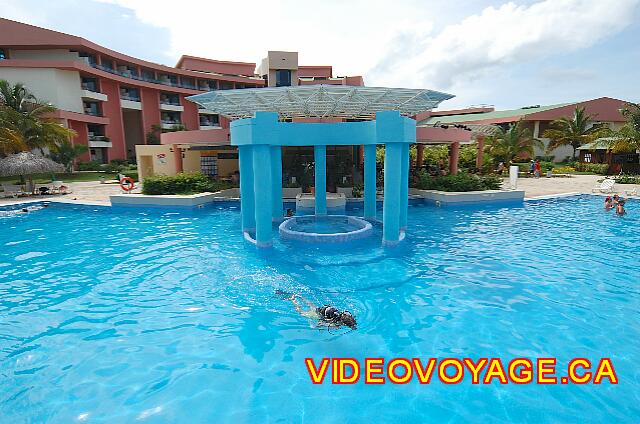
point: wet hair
(347, 318)
(608, 199)
(333, 316)
(621, 202)
(24, 210)
(615, 196)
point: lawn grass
(69, 178)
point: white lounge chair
(58, 187)
(631, 192)
(605, 186)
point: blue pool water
(118, 316)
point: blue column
(263, 193)
(320, 155)
(404, 187)
(247, 201)
(391, 205)
(276, 182)
(370, 181)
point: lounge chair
(59, 187)
(12, 190)
(606, 186)
(631, 192)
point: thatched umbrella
(26, 163)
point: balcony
(172, 107)
(93, 95)
(99, 141)
(130, 101)
(92, 111)
(170, 125)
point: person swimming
(620, 208)
(327, 315)
(608, 203)
(289, 213)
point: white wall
(61, 88)
(53, 54)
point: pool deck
(94, 193)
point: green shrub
(182, 184)
(628, 179)
(460, 182)
(90, 166)
(596, 168)
(357, 191)
(564, 170)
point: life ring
(127, 184)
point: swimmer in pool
(327, 316)
(620, 208)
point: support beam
(276, 183)
(454, 154)
(404, 186)
(177, 152)
(320, 156)
(391, 205)
(247, 200)
(419, 155)
(263, 192)
(480, 152)
(370, 181)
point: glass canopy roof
(319, 101)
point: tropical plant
(627, 138)
(506, 145)
(25, 123)
(573, 131)
(65, 153)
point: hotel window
(209, 165)
(3, 55)
(283, 78)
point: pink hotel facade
(114, 101)
(121, 107)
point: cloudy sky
(504, 53)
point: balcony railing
(170, 102)
(92, 112)
(130, 97)
(90, 86)
(95, 137)
(144, 77)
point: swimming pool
(163, 316)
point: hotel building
(116, 102)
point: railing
(90, 87)
(170, 102)
(142, 78)
(130, 97)
(92, 112)
(98, 138)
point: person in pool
(327, 316)
(608, 203)
(620, 208)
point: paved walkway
(534, 187)
(95, 193)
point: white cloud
(347, 35)
(501, 36)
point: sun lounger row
(15, 190)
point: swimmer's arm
(311, 312)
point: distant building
(537, 118)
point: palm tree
(24, 121)
(65, 153)
(627, 138)
(514, 142)
(573, 132)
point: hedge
(596, 168)
(460, 182)
(184, 183)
